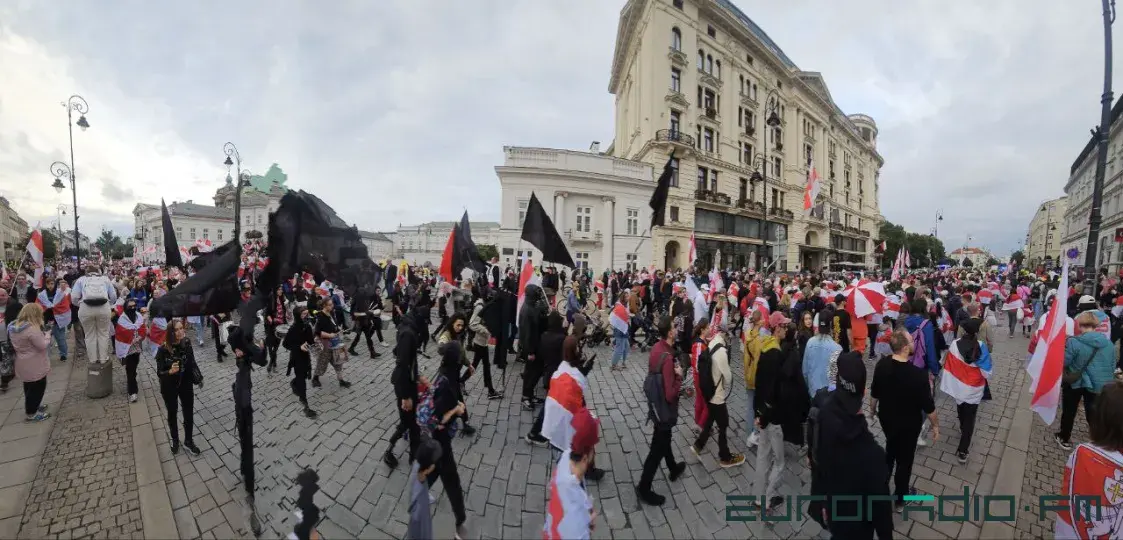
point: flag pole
(19, 268)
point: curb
(1011, 471)
(155, 505)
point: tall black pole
(1101, 133)
(75, 103)
(231, 151)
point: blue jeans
(751, 426)
(59, 333)
(619, 346)
(198, 330)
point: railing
(713, 197)
(751, 206)
(674, 136)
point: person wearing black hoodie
(246, 353)
(846, 459)
(299, 341)
(448, 404)
(363, 307)
(551, 358)
(532, 320)
(404, 379)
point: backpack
(705, 372)
(659, 411)
(426, 419)
(919, 356)
(95, 292)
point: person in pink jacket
(31, 342)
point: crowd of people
(801, 344)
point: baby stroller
(650, 334)
(597, 329)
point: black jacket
(532, 320)
(408, 344)
(251, 354)
(769, 376)
(182, 353)
(550, 353)
(849, 462)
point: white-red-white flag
(693, 253)
(35, 247)
(1047, 362)
(811, 191)
(526, 277)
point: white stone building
(425, 243)
(1078, 191)
(379, 247)
(701, 79)
(977, 256)
(598, 203)
(1043, 238)
(13, 230)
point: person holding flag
(1089, 364)
(967, 367)
(55, 300)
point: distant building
(1078, 190)
(977, 256)
(379, 247)
(13, 229)
(1043, 239)
(425, 243)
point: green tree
(992, 262)
(924, 250)
(1018, 257)
(967, 263)
(487, 251)
(50, 245)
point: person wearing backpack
(439, 416)
(769, 415)
(95, 294)
(924, 353)
(1089, 365)
(715, 380)
(661, 387)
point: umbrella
(866, 297)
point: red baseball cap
(586, 432)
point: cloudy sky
(396, 111)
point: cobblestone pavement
(505, 479)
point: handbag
(1070, 377)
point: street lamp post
(1101, 134)
(60, 170)
(242, 179)
(60, 211)
(760, 172)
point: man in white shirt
(95, 295)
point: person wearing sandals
(30, 341)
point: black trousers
(272, 343)
(502, 345)
(718, 412)
(479, 354)
(131, 362)
(4, 380)
(532, 371)
(244, 418)
(660, 451)
(219, 347)
(446, 471)
(900, 450)
(364, 328)
(33, 395)
(967, 412)
(302, 368)
(178, 391)
(1070, 401)
(407, 423)
(872, 339)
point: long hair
(170, 340)
(31, 314)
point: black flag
(467, 255)
(213, 289)
(658, 202)
(539, 231)
(172, 256)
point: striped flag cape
(59, 305)
(1014, 301)
(986, 296)
(157, 332)
(892, 306)
(620, 318)
(965, 382)
(126, 332)
(526, 277)
(567, 395)
(568, 513)
(734, 291)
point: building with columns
(1043, 238)
(700, 79)
(425, 243)
(598, 203)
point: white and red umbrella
(865, 298)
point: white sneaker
(921, 441)
(132, 398)
(754, 439)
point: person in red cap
(569, 510)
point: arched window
(717, 72)
(709, 64)
(701, 60)
(676, 39)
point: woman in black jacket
(178, 372)
(447, 406)
(275, 315)
(299, 341)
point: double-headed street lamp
(233, 158)
(60, 170)
(760, 171)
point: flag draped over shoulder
(566, 396)
(212, 289)
(964, 382)
(538, 231)
(658, 201)
(172, 256)
(1047, 362)
(526, 277)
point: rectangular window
(633, 221)
(710, 31)
(674, 213)
(584, 218)
(708, 140)
(582, 260)
(698, 137)
(743, 191)
(807, 153)
(702, 175)
(249, 220)
(206, 234)
(259, 219)
(676, 123)
(676, 79)
(709, 100)
(750, 122)
(179, 233)
(192, 233)
(777, 168)
(631, 259)
(674, 172)
(219, 231)
(523, 204)
(713, 181)
(775, 198)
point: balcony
(749, 102)
(677, 57)
(864, 233)
(583, 237)
(709, 80)
(676, 97)
(675, 137)
(752, 207)
(781, 213)
(711, 116)
(712, 197)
